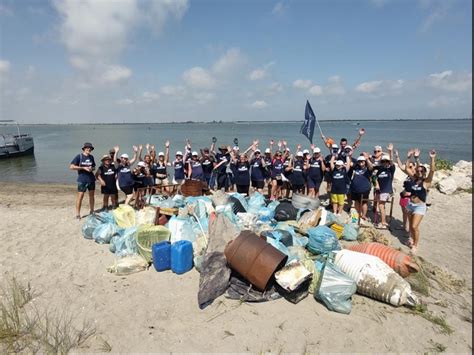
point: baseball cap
(161, 154)
(306, 151)
(179, 153)
(335, 145)
(235, 148)
(268, 150)
(316, 150)
(361, 158)
(299, 154)
(288, 149)
(125, 156)
(377, 147)
(339, 162)
(257, 150)
(385, 157)
(141, 164)
(348, 147)
(194, 154)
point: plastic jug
(181, 256)
(161, 255)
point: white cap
(316, 150)
(339, 162)
(124, 156)
(142, 164)
(194, 153)
(287, 149)
(377, 147)
(179, 153)
(361, 158)
(257, 151)
(385, 157)
(161, 154)
(236, 148)
(348, 147)
(306, 151)
(299, 154)
(268, 150)
(335, 145)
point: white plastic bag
(127, 265)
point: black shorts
(109, 190)
(127, 190)
(279, 181)
(357, 196)
(297, 188)
(258, 184)
(328, 177)
(243, 189)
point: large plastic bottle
(161, 255)
(181, 256)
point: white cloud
(228, 62)
(273, 89)
(280, 8)
(124, 102)
(170, 90)
(443, 101)
(335, 86)
(95, 33)
(198, 77)
(148, 96)
(115, 74)
(378, 88)
(259, 104)
(316, 90)
(369, 86)
(450, 81)
(4, 67)
(204, 97)
(260, 73)
(302, 84)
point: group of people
(349, 176)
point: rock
(399, 174)
(448, 185)
(439, 175)
(463, 181)
(464, 165)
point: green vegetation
(442, 164)
(422, 310)
(437, 347)
(23, 328)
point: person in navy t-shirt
(107, 175)
(361, 174)
(241, 169)
(315, 170)
(84, 164)
(259, 171)
(384, 185)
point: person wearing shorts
(222, 161)
(125, 179)
(241, 169)
(360, 184)
(384, 187)
(276, 174)
(339, 171)
(316, 169)
(178, 166)
(107, 175)
(297, 176)
(84, 164)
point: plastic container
(161, 255)
(181, 256)
(398, 261)
(375, 279)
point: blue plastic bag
(241, 199)
(95, 220)
(336, 289)
(322, 240)
(350, 232)
(125, 242)
(265, 214)
(255, 202)
(272, 205)
(104, 233)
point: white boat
(12, 145)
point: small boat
(12, 145)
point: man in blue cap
(84, 164)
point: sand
(41, 243)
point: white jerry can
(375, 279)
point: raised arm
(370, 166)
(331, 162)
(167, 152)
(429, 179)
(390, 152)
(135, 150)
(348, 163)
(140, 150)
(409, 155)
(416, 154)
(116, 150)
(357, 140)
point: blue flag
(307, 128)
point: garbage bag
(146, 216)
(181, 228)
(350, 232)
(91, 223)
(128, 264)
(291, 276)
(201, 205)
(156, 200)
(255, 202)
(281, 235)
(285, 211)
(243, 202)
(242, 290)
(265, 214)
(124, 216)
(335, 289)
(322, 240)
(104, 233)
(273, 204)
(125, 242)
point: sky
(103, 61)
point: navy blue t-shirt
(196, 170)
(241, 173)
(178, 169)
(258, 171)
(339, 181)
(220, 157)
(297, 176)
(385, 178)
(124, 176)
(108, 174)
(277, 168)
(84, 161)
(315, 170)
(207, 165)
(361, 180)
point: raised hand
(272, 142)
(410, 153)
(116, 148)
(365, 155)
(140, 147)
(153, 148)
(298, 146)
(284, 143)
(312, 146)
(417, 152)
(167, 144)
(390, 147)
(135, 148)
(361, 131)
(279, 144)
(147, 146)
(432, 154)
(255, 142)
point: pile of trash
(253, 249)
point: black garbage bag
(237, 207)
(281, 235)
(285, 211)
(240, 289)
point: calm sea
(56, 145)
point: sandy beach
(158, 312)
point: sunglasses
(376, 151)
(420, 171)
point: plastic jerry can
(181, 256)
(161, 255)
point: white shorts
(178, 182)
(160, 182)
(384, 197)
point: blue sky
(163, 60)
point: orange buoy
(398, 261)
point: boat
(13, 145)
